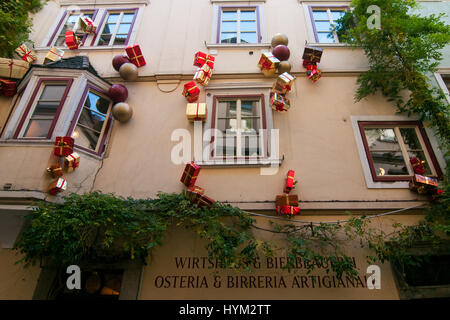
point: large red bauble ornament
(119, 60)
(118, 93)
(281, 52)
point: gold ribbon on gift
(136, 57)
(62, 144)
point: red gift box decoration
(8, 88)
(134, 53)
(63, 146)
(190, 174)
(290, 182)
(289, 210)
(191, 91)
(71, 40)
(418, 166)
(57, 186)
(314, 74)
(202, 58)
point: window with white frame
(238, 121)
(323, 19)
(390, 146)
(116, 28)
(238, 25)
(69, 22)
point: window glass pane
(410, 139)
(109, 28)
(104, 40)
(229, 15)
(336, 14)
(38, 128)
(250, 125)
(227, 109)
(381, 139)
(124, 28)
(325, 37)
(249, 37)
(323, 26)
(248, 15)
(248, 26)
(45, 109)
(127, 17)
(120, 39)
(91, 119)
(250, 145)
(320, 15)
(389, 163)
(229, 26)
(249, 108)
(228, 38)
(85, 137)
(52, 92)
(112, 18)
(97, 103)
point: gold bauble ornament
(279, 39)
(284, 66)
(122, 112)
(128, 71)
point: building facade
(347, 156)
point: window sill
(45, 49)
(331, 45)
(240, 163)
(238, 46)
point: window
(238, 120)
(117, 27)
(42, 113)
(389, 147)
(323, 19)
(238, 25)
(92, 121)
(69, 22)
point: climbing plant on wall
(16, 23)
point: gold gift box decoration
(72, 161)
(53, 55)
(13, 68)
(268, 64)
(203, 75)
(26, 54)
(196, 111)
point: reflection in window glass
(44, 113)
(91, 121)
(323, 20)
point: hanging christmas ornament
(118, 93)
(119, 60)
(128, 71)
(284, 66)
(281, 52)
(418, 165)
(278, 39)
(122, 112)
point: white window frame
(441, 82)
(238, 23)
(363, 156)
(233, 89)
(114, 33)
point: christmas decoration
(284, 83)
(279, 39)
(118, 93)
(87, 25)
(55, 170)
(128, 71)
(193, 192)
(203, 201)
(284, 66)
(268, 64)
(281, 52)
(63, 146)
(72, 161)
(418, 166)
(287, 200)
(312, 54)
(72, 40)
(8, 88)
(190, 174)
(423, 185)
(290, 182)
(53, 55)
(202, 58)
(122, 112)
(196, 111)
(13, 68)
(191, 91)
(57, 186)
(119, 60)
(135, 55)
(312, 72)
(288, 210)
(26, 54)
(279, 102)
(203, 75)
